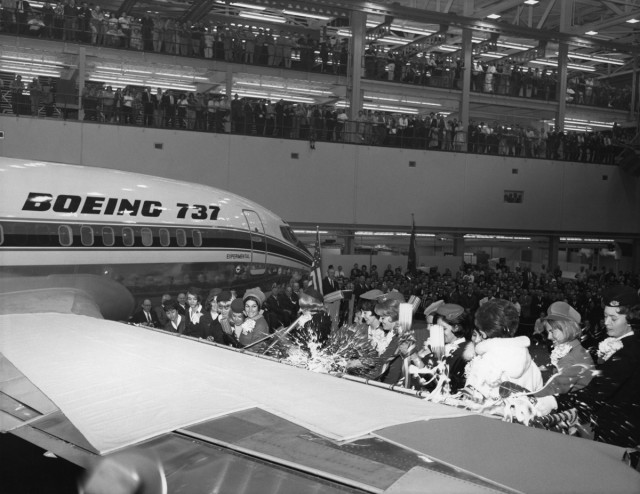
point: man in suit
(176, 322)
(144, 316)
(289, 301)
(182, 303)
(159, 310)
(329, 282)
(276, 314)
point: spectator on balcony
(22, 14)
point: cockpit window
(288, 234)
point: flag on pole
(316, 266)
(412, 262)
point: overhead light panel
(262, 17)
(305, 14)
(494, 16)
(531, 2)
(591, 33)
(632, 21)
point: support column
(228, 81)
(634, 89)
(458, 245)
(82, 74)
(554, 245)
(636, 256)
(358, 34)
(348, 242)
(465, 98)
(561, 86)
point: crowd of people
(214, 112)
(502, 77)
(562, 352)
(307, 49)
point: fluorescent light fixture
(310, 232)
(573, 66)
(478, 236)
(305, 14)
(391, 234)
(578, 239)
(262, 17)
(394, 40)
(519, 46)
(450, 48)
(494, 16)
(493, 55)
(632, 21)
(246, 5)
(591, 33)
(593, 58)
(412, 30)
(531, 2)
(344, 33)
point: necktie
(148, 316)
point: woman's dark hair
(461, 324)
(632, 314)
(368, 305)
(195, 291)
(497, 318)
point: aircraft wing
(223, 421)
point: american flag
(316, 266)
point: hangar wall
(349, 184)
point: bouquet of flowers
(608, 347)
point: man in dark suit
(144, 316)
(329, 282)
(276, 314)
(289, 302)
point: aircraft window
(181, 237)
(128, 236)
(147, 237)
(108, 236)
(43, 235)
(165, 237)
(86, 236)
(197, 238)
(65, 235)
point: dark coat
(612, 398)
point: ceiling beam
(544, 17)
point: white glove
(545, 405)
(248, 326)
(304, 319)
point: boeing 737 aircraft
(159, 412)
(112, 235)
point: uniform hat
(393, 296)
(255, 293)
(313, 293)
(224, 296)
(562, 311)
(450, 311)
(620, 296)
(237, 305)
(372, 294)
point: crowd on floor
(561, 352)
(307, 50)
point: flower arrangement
(608, 347)
(558, 352)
